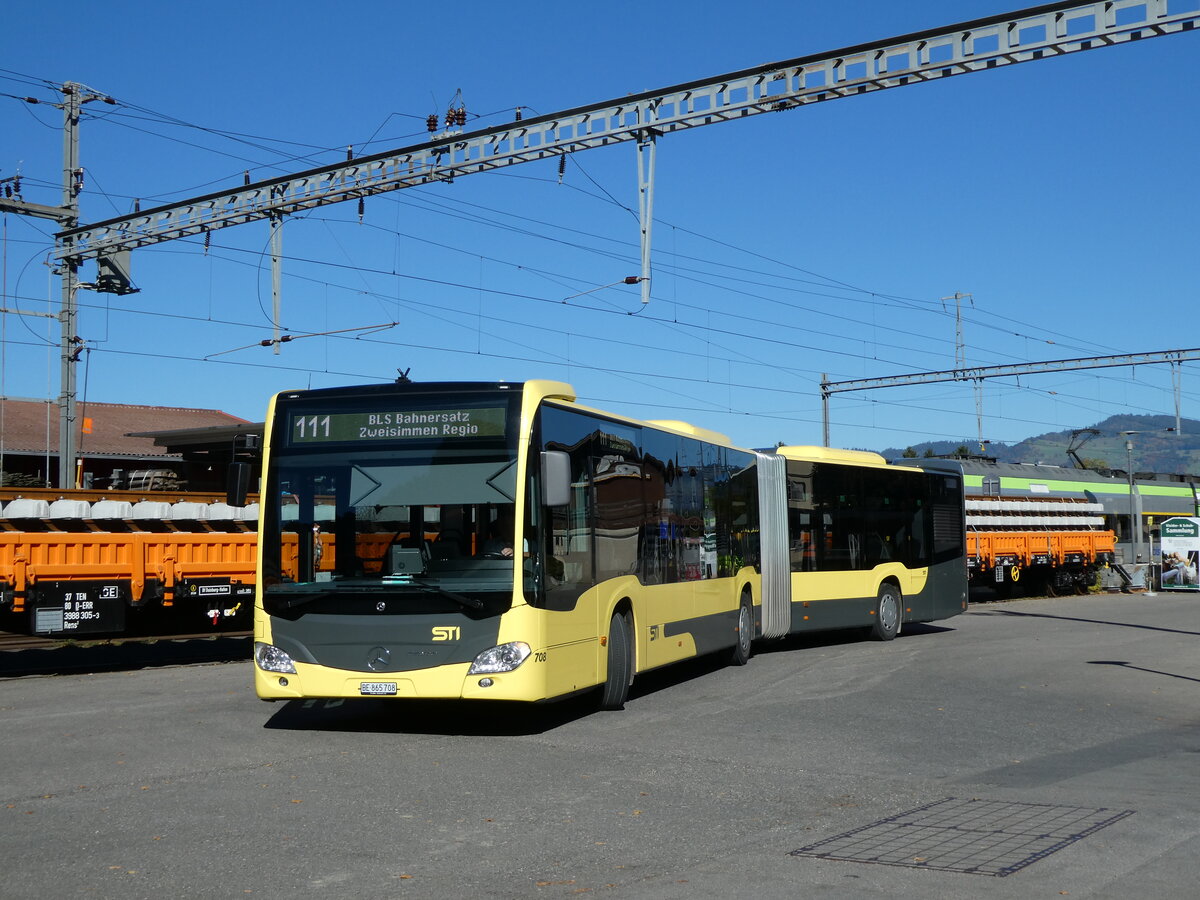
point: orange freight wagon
(1053, 546)
(83, 583)
(72, 566)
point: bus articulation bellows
(501, 541)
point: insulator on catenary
(518, 116)
(460, 116)
(431, 122)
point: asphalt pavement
(1035, 748)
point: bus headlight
(504, 658)
(271, 659)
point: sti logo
(446, 632)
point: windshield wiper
(289, 596)
(292, 596)
(460, 599)
(279, 598)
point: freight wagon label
(214, 588)
(71, 607)
(1180, 554)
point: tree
(929, 454)
(909, 453)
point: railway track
(10, 641)
(23, 654)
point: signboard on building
(1180, 548)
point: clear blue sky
(1060, 194)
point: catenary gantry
(1040, 32)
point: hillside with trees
(1156, 448)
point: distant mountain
(1155, 449)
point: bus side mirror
(556, 478)
(237, 483)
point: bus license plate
(377, 688)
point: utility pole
(960, 358)
(68, 269)
(960, 347)
(1135, 531)
(67, 216)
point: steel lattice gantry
(1025, 35)
(979, 373)
(1038, 33)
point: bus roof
(830, 454)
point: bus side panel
(672, 634)
(663, 617)
(671, 622)
(944, 595)
(576, 644)
(572, 644)
(706, 634)
(576, 637)
(829, 600)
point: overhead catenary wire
(700, 329)
(257, 143)
(724, 243)
(774, 324)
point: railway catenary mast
(979, 373)
(1025, 35)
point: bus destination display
(467, 422)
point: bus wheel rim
(888, 610)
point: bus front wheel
(620, 664)
(887, 613)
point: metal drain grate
(980, 837)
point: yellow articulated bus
(503, 542)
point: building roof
(213, 442)
(116, 429)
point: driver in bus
(499, 539)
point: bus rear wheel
(887, 613)
(620, 664)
